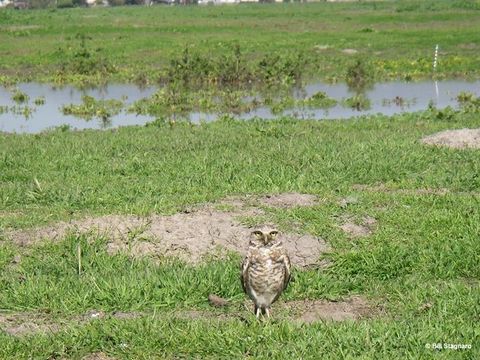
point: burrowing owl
(265, 269)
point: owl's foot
(262, 311)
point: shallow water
(416, 96)
(50, 114)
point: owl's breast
(267, 274)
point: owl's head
(264, 236)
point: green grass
(138, 43)
(419, 267)
(425, 248)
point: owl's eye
(258, 234)
(273, 233)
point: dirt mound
(189, 235)
(457, 139)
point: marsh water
(388, 98)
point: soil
(469, 46)
(347, 201)
(287, 200)
(350, 51)
(383, 188)
(22, 324)
(354, 230)
(457, 139)
(97, 356)
(190, 235)
(310, 311)
(28, 323)
(20, 27)
(302, 311)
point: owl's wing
(287, 267)
(244, 274)
(283, 259)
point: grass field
(418, 269)
(140, 43)
(400, 219)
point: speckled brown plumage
(265, 270)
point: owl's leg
(267, 311)
(257, 311)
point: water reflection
(385, 98)
(43, 108)
(48, 114)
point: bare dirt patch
(310, 311)
(347, 201)
(23, 324)
(383, 188)
(28, 323)
(99, 314)
(204, 315)
(6, 214)
(289, 200)
(20, 27)
(189, 235)
(97, 356)
(350, 51)
(366, 227)
(300, 311)
(457, 139)
(125, 315)
(469, 46)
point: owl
(265, 270)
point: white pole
(435, 61)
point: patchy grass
(417, 265)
